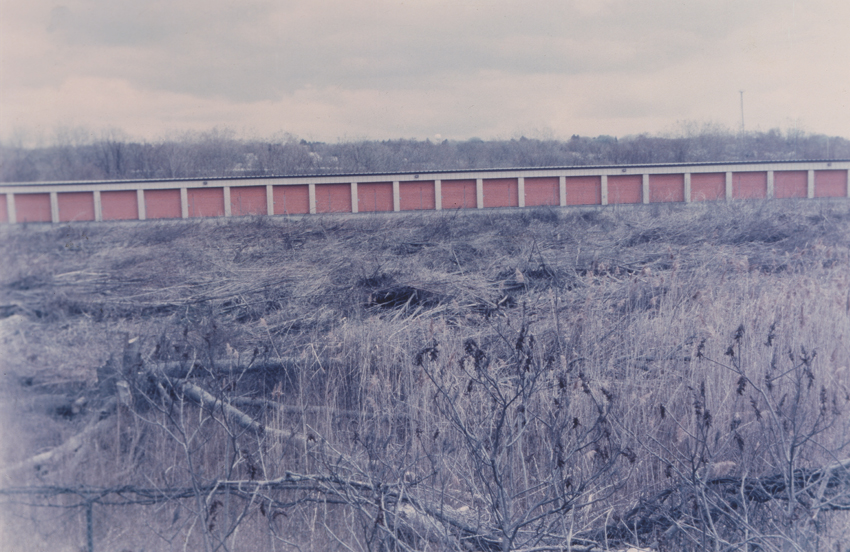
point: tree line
(220, 153)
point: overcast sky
(329, 70)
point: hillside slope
(673, 377)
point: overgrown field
(672, 378)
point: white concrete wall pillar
(728, 186)
(438, 195)
(604, 191)
(645, 189)
(54, 207)
(98, 208)
(10, 208)
(184, 203)
(687, 187)
(354, 203)
(269, 199)
(479, 192)
(770, 186)
(520, 186)
(562, 191)
(810, 184)
(227, 209)
(311, 193)
(140, 201)
(396, 196)
(140, 204)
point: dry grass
(631, 309)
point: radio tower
(742, 111)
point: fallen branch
(213, 405)
(827, 487)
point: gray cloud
(258, 52)
(460, 62)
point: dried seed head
(740, 442)
(736, 422)
(756, 410)
(698, 408)
(771, 335)
(739, 333)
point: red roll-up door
(666, 188)
(75, 206)
(162, 204)
(119, 205)
(374, 196)
(584, 190)
(749, 185)
(415, 196)
(32, 208)
(248, 200)
(708, 186)
(501, 192)
(459, 194)
(333, 198)
(542, 191)
(206, 202)
(625, 189)
(790, 184)
(830, 183)
(291, 200)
